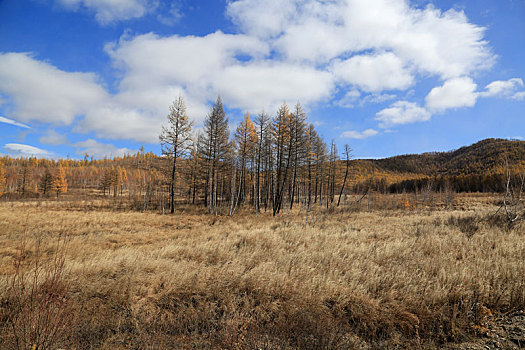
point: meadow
(80, 274)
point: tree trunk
(344, 182)
(172, 187)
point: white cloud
(503, 88)
(100, 150)
(442, 43)
(51, 137)
(461, 92)
(519, 96)
(313, 40)
(454, 93)
(109, 11)
(41, 92)
(430, 40)
(284, 50)
(271, 84)
(352, 134)
(22, 150)
(116, 121)
(186, 60)
(374, 73)
(249, 83)
(402, 112)
(13, 122)
(157, 68)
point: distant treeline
(456, 183)
(269, 163)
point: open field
(390, 278)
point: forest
(269, 164)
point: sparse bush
(449, 196)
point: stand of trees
(269, 164)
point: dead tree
(513, 201)
(348, 152)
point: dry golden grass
(369, 279)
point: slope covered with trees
(480, 167)
(485, 156)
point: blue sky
(387, 77)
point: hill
(486, 156)
(482, 160)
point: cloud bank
(281, 50)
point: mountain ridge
(485, 156)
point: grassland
(395, 277)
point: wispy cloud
(519, 96)
(352, 134)
(170, 15)
(110, 11)
(23, 150)
(13, 122)
(100, 150)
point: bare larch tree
(175, 140)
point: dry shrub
(35, 308)
(240, 318)
(469, 225)
(500, 221)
